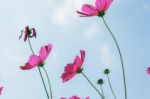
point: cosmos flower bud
(106, 71)
(100, 82)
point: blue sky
(57, 23)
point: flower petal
(100, 4)
(1, 89)
(108, 3)
(44, 52)
(82, 14)
(34, 60)
(103, 5)
(74, 97)
(77, 64)
(148, 71)
(82, 55)
(89, 9)
(87, 98)
(68, 73)
(27, 66)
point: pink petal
(87, 98)
(82, 14)
(1, 89)
(74, 97)
(68, 73)
(77, 64)
(148, 71)
(33, 60)
(79, 61)
(82, 55)
(100, 4)
(108, 3)
(44, 52)
(67, 76)
(103, 5)
(89, 10)
(27, 66)
(69, 68)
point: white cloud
(107, 56)
(91, 32)
(64, 14)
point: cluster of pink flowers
(71, 69)
(39, 60)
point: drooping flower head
(148, 70)
(37, 60)
(73, 68)
(28, 33)
(1, 89)
(99, 9)
(74, 97)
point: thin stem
(30, 46)
(43, 82)
(92, 85)
(50, 88)
(111, 87)
(102, 91)
(39, 70)
(122, 64)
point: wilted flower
(28, 33)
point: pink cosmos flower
(1, 89)
(98, 10)
(35, 60)
(74, 97)
(28, 33)
(148, 70)
(73, 68)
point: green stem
(39, 70)
(111, 87)
(102, 91)
(92, 85)
(50, 88)
(30, 46)
(122, 64)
